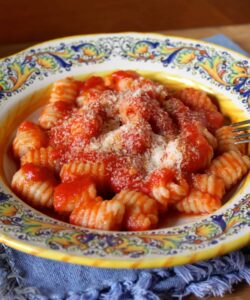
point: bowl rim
(67, 37)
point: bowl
(25, 82)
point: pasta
(205, 195)
(196, 99)
(65, 90)
(75, 169)
(211, 139)
(29, 137)
(133, 107)
(210, 184)
(231, 166)
(141, 212)
(35, 184)
(68, 195)
(105, 215)
(131, 140)
(197, 152)
(198, 202)
(44, 157)
(168, 192)
(128, 80)
(90, 119)
(91, 91)
(225, 139)
(208, 118)
(53, 113)
(121, 80)
(178, 190)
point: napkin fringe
(10, 281)
(208, 278)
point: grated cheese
(154, 151)
(173, 156)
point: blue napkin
(23, 276)
(221, 39)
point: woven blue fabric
(26, 277)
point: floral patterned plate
(221, 72)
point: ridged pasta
(211, 184)
(198, 202)
(87, 123)
(141, 211)
(210, 119)
(133, 107)
(91, 90)
(196, 99)
(231, 166)
(65, 90)
(45, 157)
(29, 136)
(95, 170)
(86, 97)
(212, 140)
(196, 151)
(167, 193)
(225, 139)
(148, 87)
(178, 190)
(34, 184)
(121, 80)
(68, 195)
(104, 215)
(53, 113)
(162, 195)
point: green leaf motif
(46, 62)
(208, 230)
(7, 210)
(4, 83)
(186, 56)
(237, 71)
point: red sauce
(63, 107)
(156, 178)
(139, 106)
(27, 125)
(34, 134)
(118, 75)
(94, 82)
(162, 124)
(195, 148)
(125, 177)
(214, 120)
(37, 173)
(137, 140)
(66, 194)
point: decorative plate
(221, 72)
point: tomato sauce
(37, 173)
